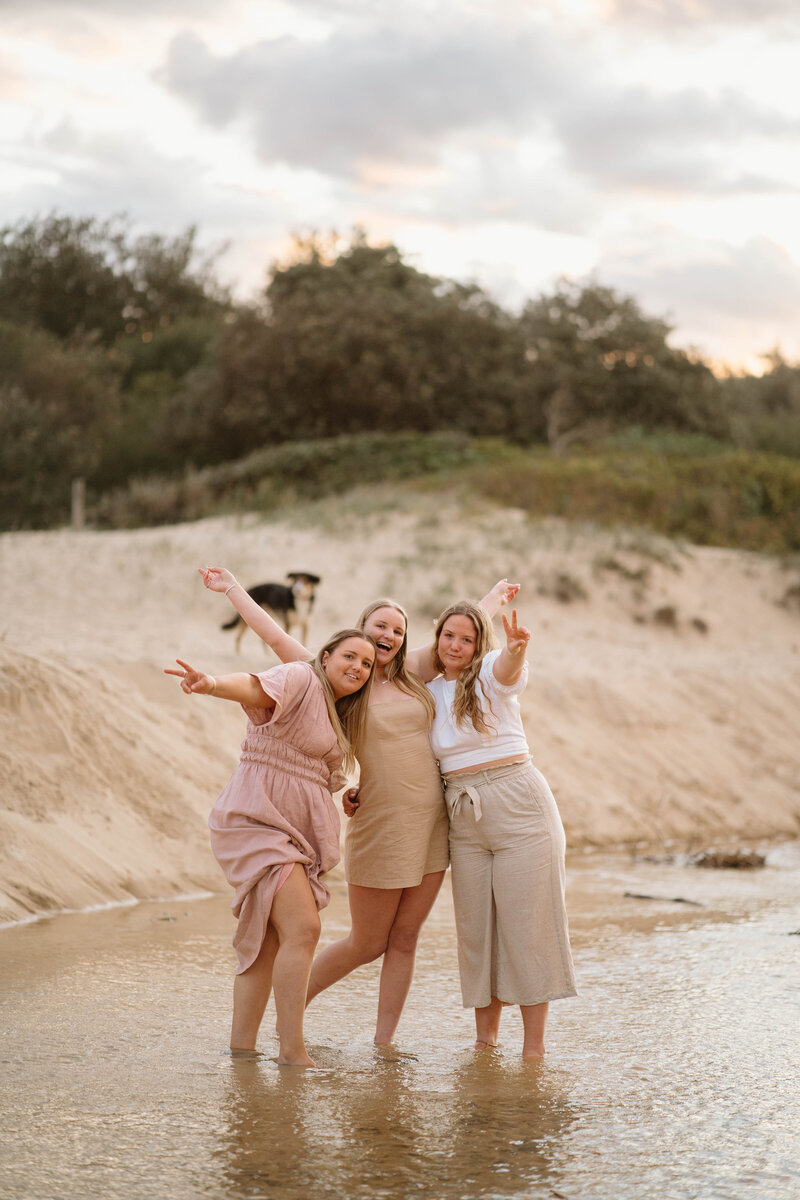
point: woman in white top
(506, 838)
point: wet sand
(673, 1074)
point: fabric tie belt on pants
(456, 788)
(454, 804)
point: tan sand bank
(662, 705)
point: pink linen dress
(277, 808)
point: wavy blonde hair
(396, 671)
(348, 714)
(466, 702)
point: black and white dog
(290, 605)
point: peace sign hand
(517, 636)
(192, 681)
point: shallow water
(673, 1074)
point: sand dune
(662, 706)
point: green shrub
(724, 497)
(682, 487)
(279, 475)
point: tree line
(122, 356)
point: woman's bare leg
(534, 1017)
(250, 995)
(372, 911)
(296, 920)
(487, 1024)
(397, 971)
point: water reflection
(508, 1119)
(391, 1129)
(673, 1074)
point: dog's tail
(230, 624)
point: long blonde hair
(466, 703)
(348, 714)
(396, 671)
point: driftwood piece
(664, 899)
(742, 860)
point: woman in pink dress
(275, 830)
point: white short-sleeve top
(460, 746)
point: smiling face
(456, 645)
(348, 665)
(387, 627)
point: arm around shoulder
(421, 663)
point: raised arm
(420, 660)
(510, 661)
(502, 593)
(241, 688)
(288, 649)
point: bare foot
(532, 1053)
(480, 1045)
(300, 1059)
(390, 1053)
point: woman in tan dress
(274, 828)
(396, 848)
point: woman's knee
(307, 931)
(366, 945)
(403, 939)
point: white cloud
(654, 141)
(27, 9)
(732, 301)
(679, 14)
(102, 175)
(674, 141)
(385, 94)
(378, 96)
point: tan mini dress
(400, 831)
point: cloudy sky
(651, 144)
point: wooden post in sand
(78, 503)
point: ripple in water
(672, 1075)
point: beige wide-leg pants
(507, 857)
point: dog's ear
(295, 575)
